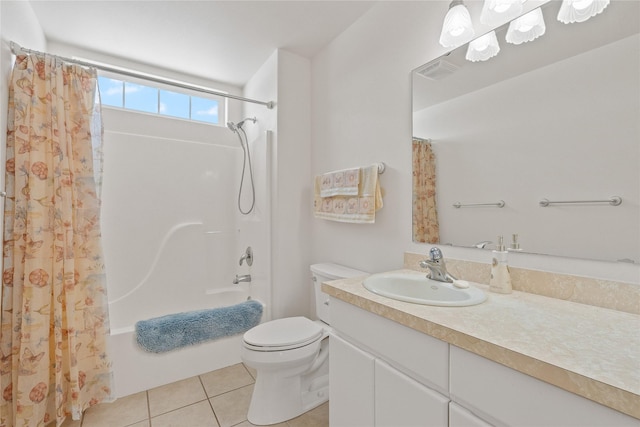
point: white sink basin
(418, 289)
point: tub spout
(243, 278)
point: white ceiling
(226, 41)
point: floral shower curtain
(54, 320)
(425, 215)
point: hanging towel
(162, 334)
(355, 208)
(340, 183)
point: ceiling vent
(437, 70)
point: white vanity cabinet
(366, 391)
(461, 417)
(351, 385)
(504, 396)
(386, 374)
(401, 401)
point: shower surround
(173, 237)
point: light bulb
(526, 28)
(497, 12)
(457, 27)
(580, 10)
(483, 48)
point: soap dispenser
(500, 280)
(515, 246)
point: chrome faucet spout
(436, 265)
(483, 244)
(243, 278)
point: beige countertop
(591, 351)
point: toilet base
(280, 395)
(276, 399)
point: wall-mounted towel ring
(381, 168)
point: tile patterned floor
(216, 399)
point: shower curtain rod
(16, 49)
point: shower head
(232, 126)
(235, 127)
(239, 125)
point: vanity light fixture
(580, 10)
(457, 27)
(497, 12)
(526, 28)
(483, 48)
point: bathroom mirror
(556, 118)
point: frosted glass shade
(457, 27)
(483, 48)
(580, 10)
(526, 28)
(497, 12)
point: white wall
(285, 79)
(361, 103)
(291, 239)
(257, 226)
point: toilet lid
(287, 332)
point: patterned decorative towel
(340, 183)
(162, 334)
(358, 208)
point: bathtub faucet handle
(248, 255)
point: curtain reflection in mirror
(425, 216)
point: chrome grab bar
(613, 201)
(499, 204)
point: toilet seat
(283, 334)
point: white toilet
(291, 357)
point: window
(140, 98)
(204, 110)
(111, 91)
(155, 100)
(175, 104)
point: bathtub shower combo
(173, 238)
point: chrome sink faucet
(436, 266)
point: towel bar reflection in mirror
(613, 201)
(499, 204)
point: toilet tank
(326, 272)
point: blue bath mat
(162, 334)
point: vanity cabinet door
(351, 385)
(460, 417)
(400, 401)
(508, 397)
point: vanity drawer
(420, 356)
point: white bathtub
(180, 279)
(137, 370)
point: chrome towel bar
(613, 201)
(499, 204)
